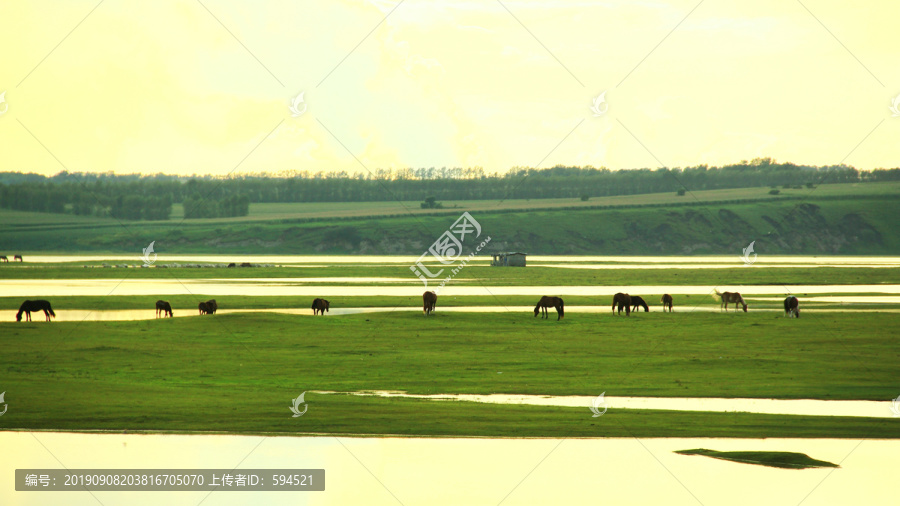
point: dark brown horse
(4, 259)
(18, 257)
(319, 306)
(429, 299)
(637, 302)
(29, 306)
(666, 302)
(547, 302)
(163, 307)
(212, 306)
(622, 300)
(792, 307)
(206, 308)
(729, 297)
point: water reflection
(444, 471)
(810, 407)
(286, 287)
(798, 260)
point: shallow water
(445, 471)
(286, 287)
(810, 407)
(409, 259)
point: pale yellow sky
(165, 86)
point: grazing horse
(204, 308)
(792, 307)
(212, 306)
(554, 302)
(666, 302)
(429, 299)
(4, 259)
(231, 264)
(34, 305)
(734, 297)
(18, 257)
(163, 306)
(623, 300)
(319, 306)
(636, 302)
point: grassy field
(785, 460)
(318, 210)
(831, 219)
(238, 372)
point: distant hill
(825, 223)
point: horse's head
(327, 305)
(19, 316)
(745, 306)
(537, 309)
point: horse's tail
(717, 296)
(562, 308)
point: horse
(636, 302)
(204, 308)
(666, 302)
(429, 299)
(34, 305)
(231, 264)
(18, 257)
(163, 306)
(212, 306)
(792, 307)
(734, 297)
(623, 300)
(4, 259)
(554, 302)
(319, 306)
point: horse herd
(429, 300)
(16, 258)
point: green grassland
(187, 304)
(784, 460)
(831, 219)
(326, 210)
(238, 372)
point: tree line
(137, 197)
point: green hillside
(831, 222)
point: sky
(205, 87)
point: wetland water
(642, 261)
(391, 471)
(285, 287)
(810, 407)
